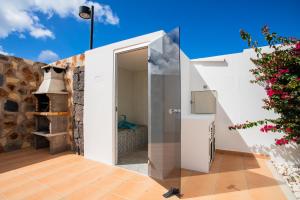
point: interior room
(132, 112)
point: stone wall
(18, 79)
(78, 100)
(74, 80)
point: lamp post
(86, 12)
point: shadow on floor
(229, 174)
(24, 157)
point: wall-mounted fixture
(203, 102)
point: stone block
(20, 118)
(1, 79)
(10, 72)
(78, 80)
(32, 84)
(12, 80)
(1, 67)
(78, 113)
(3, 92)
(14, 65)
(11, 87)
(78, 97)
(1, 148)
(37, 76)
(28, 99)
(23, 83)
(9, 125)
(78, 130)
(14, 142)
(28, 107)
(22, 91)
(3, 57)
(10, 117)
(14, 96)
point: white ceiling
(136, 60)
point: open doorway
(132, 109)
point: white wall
(133, 95)
(99, 98)
(238, 101)
(125, 93)
(140, 97)
(194, 128)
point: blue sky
(208, 27)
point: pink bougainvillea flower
(267, 128)
(285, 96)
(270, 92)
(273, 80)
(281, 141)
(297, 46)
(288, 130)
(262, 129)
(283, 71)
(277, 75)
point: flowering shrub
(279, 73)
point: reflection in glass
(164, 110)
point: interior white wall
(133, 95)
(140, 97)
(238, 101)
(125, 94)
(99, 98)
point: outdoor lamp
(86, 12)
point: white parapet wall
(238, 101)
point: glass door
(164, 110)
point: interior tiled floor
(32, 174)
(136, 161)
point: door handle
(174, 110)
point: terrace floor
(34, 174)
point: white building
(118, 82)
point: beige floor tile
(44, 194)
(111, 197)
(76, 182)
(49, 169)
(239, 195)
(263, 193)
(23, 190)
(66, 173)
(131, 189)
(14, 181)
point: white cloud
(21, 16)
(47, 56)
(41, 33)
(3, 52)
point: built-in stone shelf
(47, 134)
(56, 141)
(49, 113)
